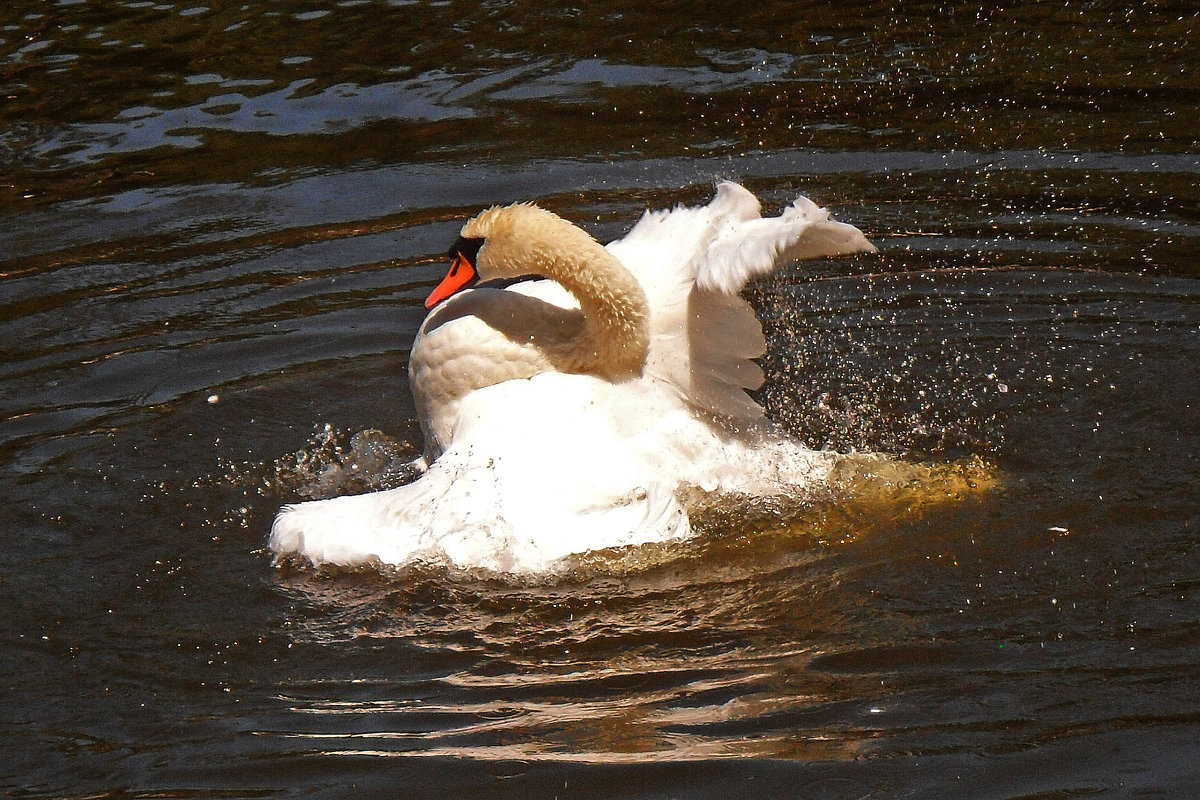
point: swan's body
(570, 414)
(482, 337)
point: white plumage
(541, 444)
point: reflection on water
(217, 224)
(111, 95)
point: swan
(582, 409)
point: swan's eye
(468, 248)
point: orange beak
(462, 273)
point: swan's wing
(723, 329)
(665, 249)
(693, 262)
(756, 247)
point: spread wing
(693, 263)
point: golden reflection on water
(664, 725)
(676, 652)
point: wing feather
(693, 262)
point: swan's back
(693, 263)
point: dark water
(218, 221)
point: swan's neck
(615, 336)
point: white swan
(576, 413)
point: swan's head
(506, 242)
(463, 255)
(524, 240)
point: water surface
(218, 221)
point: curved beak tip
(462, 273)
